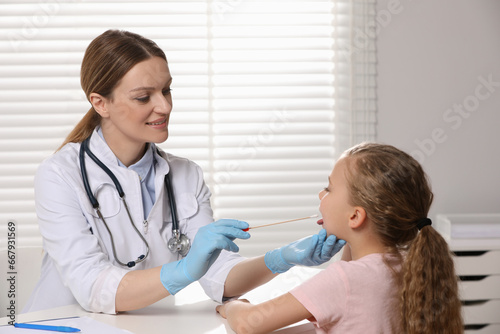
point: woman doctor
(114, 255)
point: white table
(190, 311)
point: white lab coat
(78, 264)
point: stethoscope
(178, 243)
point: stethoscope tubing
(95, 204)
(171, 200)
(179, 243)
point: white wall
(433, 58)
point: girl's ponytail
(394, 190)
(429, 292)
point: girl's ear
(357, 218)
(100, 104)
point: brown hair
(394, 190)
(106, 61)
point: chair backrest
(17, 282)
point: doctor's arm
(247, 275)
(141, 288)
(138, 289)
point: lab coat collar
(161, 160)
(144, 166)
(101, 149)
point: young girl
(396, 273)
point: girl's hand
(223, 309)
(234, 311)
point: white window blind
(266, 95)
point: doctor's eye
(167, 91)
(142, 99)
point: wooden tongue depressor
(283, 222)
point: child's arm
(245, 318)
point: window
(266, 94)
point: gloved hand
(209, 241)
(310, 251)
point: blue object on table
(48, 328)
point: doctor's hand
(209, 241)
(310, 251)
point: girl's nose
(321, 194)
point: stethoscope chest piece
(179, 243)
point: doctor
(108, 201)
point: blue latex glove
(310, 251)
(209, 241)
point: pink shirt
(352, 297)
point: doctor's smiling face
(138, 109)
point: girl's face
(334, 205)
(139, 108)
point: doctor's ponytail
(106, 61)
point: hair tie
(423, 222)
